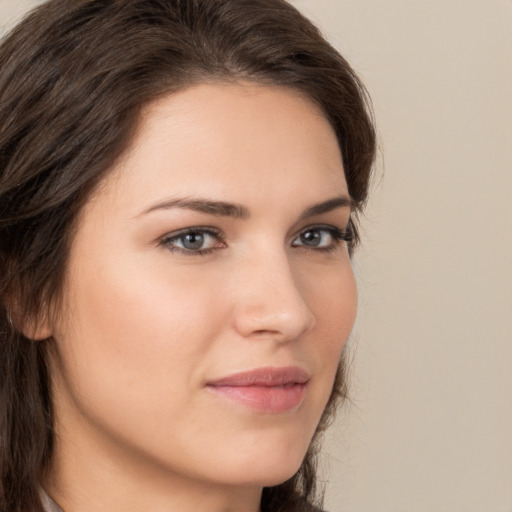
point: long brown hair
(74, 76)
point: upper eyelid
(193, 229)
(321, 225)
(326, 227)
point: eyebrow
(240, 212)
(209, 207)
(327, 206)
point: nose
(269, 302)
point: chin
(267, 470)
(270, 457)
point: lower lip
(265, 399)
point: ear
(36, 330)
(33, 328)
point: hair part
(74, 77)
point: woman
(179, 187)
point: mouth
(267, 390)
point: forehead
(231, 139)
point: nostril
(264, 332)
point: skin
(146, 326)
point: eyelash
(167, 240)
(338, 237)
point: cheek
(136, 337)
(336, 303)
(333, 298)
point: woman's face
(209, 294)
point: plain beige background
(430, 426)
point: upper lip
(266, 376)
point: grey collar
(48, 504)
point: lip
(266, 390)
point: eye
(193, 241)
(323, 238)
